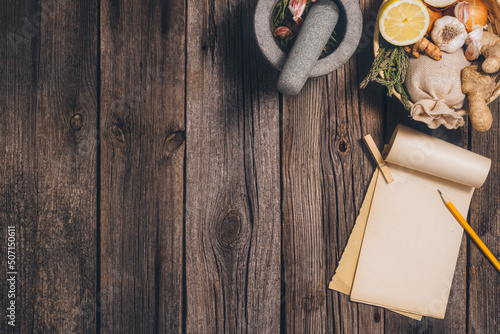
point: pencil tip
(443, 197)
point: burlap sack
(436, 89)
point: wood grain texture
(18, 161)
(325, 174)
(304, 248)
(233, 178)
(197, 234)
(48, 143)
(142, 174)
(352, 114)
(456, 312)
(484, 218)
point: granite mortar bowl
(275, 56)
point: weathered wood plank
(143, 144)
(483, 278)
(353, 114)
(325, 174)
(456, 313)
(304, 247)
(233, 178)
(48, 151)
(18, 159)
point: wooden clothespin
(378, 158)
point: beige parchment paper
(344, 273)
(411, 242)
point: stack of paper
(403, 249)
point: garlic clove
(474, 45)
(475, 35)
(462, 11)
(282, 32)
(473, 51)
(297, 8)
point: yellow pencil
(469, 230)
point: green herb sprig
(279, 13)
(393, 62)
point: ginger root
(489, 38)
(478, 86)
(491, 51)
(426, 46)
(492, 62)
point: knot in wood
(312, 300)
(173, 142)
(76, 122)
(343, 146)
(117, 132)
(376, 316)
(229, 228)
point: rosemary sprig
(393, 62)
(279, 13)
(331, 45)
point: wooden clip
(378, 158)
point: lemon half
(403, 22)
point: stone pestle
(313, 36)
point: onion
(439, 4)
(472, 13)
(433, 16)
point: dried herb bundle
(393, 62)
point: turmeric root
(425, 46)
(478, 86)
(407, 49)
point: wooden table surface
(157, 182)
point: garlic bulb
(448, 34)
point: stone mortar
(272, 52)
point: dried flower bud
(297, 7)
(282, 32)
